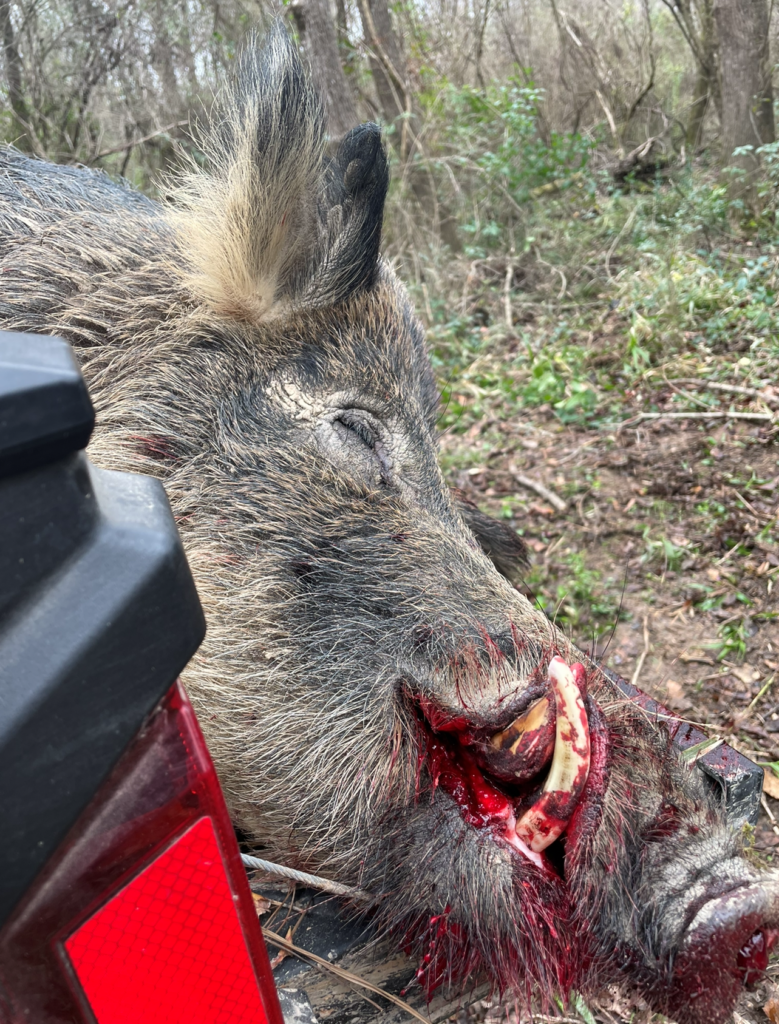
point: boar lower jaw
(484, 804)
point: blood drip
(752, 958)
(444, 935)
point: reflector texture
(168, 947)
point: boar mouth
(522, 783)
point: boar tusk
(534, 720)
(548, 818)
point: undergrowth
(577, 306)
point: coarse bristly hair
(272, 226)
(247, 345)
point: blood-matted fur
(248, 346)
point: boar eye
(357, 427)
(356, 440)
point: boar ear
(273, 225)
(351, 208)
(247, 225)
(502, 545)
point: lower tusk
(548, 818)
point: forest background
(585, 206)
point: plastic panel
(163, 792)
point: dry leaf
(676, 698)
(771, 1010)
(771, 786)
(746, 674)
(261, 905)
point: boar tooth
(548, 818)
(535, 718)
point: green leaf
(583, 1009)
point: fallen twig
(772, 818)
(697, 659)
(625, 227)
(556, 1020)
(726, 556)
(507, 294)
(533, 485)
(763, 690)
(763, 417)
(697, 750)
(752, 509)
(340, 972)
(734, 389)
(642, 656)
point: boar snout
(726, 946)
(713, 931)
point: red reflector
(143, 915)
(168, 947)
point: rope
(312, 881)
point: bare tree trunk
(13, 76)
(341, 21)
(318, 38)
(707, 77)
(480, 44)
(397, 103)
(387, 65)
(698, 107)
(747, 92)
(695, 18)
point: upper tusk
(534, 720)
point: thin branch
(138, 142)
(763, 417)
(339, 972)
(640, 98)
(533, 485)
(480, 44)
(392, 73)
(690, 39)
(609, 116)
(642, 656)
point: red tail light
(143, 914)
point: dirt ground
(664, 561)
